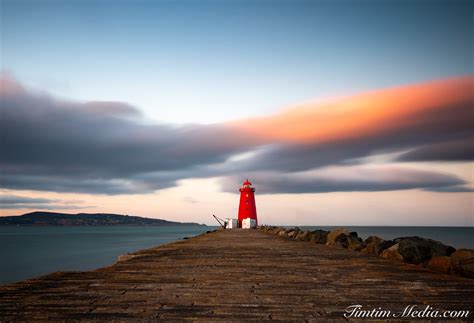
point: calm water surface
(27, 252)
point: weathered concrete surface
(234, 275)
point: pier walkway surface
(234, 275)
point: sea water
(27, 252)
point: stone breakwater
(233, 276)
(427, 253)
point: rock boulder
(416, 250)
(332, 237)
(343, 238)
(462, 263)
(319, 236)
(440, 264)
(282, 232)
(354, 242)
(370, 245)
(303, 235)
(392, 253)
(383, 245)
(372, 239)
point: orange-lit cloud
(365, 114)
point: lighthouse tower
(247, 207)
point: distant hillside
(85, 219)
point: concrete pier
(234, 275)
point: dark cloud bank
(22, 202)
(107, 148)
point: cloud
(54, 145)
(421, 106)
(350, 179)
(23, 202)
(40, 207)
(458, 150)
(190, 200)
(111, 108)
(108, 148)
(15, 199)
(451, 189)
(338, 132)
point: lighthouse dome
(247, 183)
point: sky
(340, 112)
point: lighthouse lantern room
(247, 210)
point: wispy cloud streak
(23, 202)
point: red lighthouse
(247, 207)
